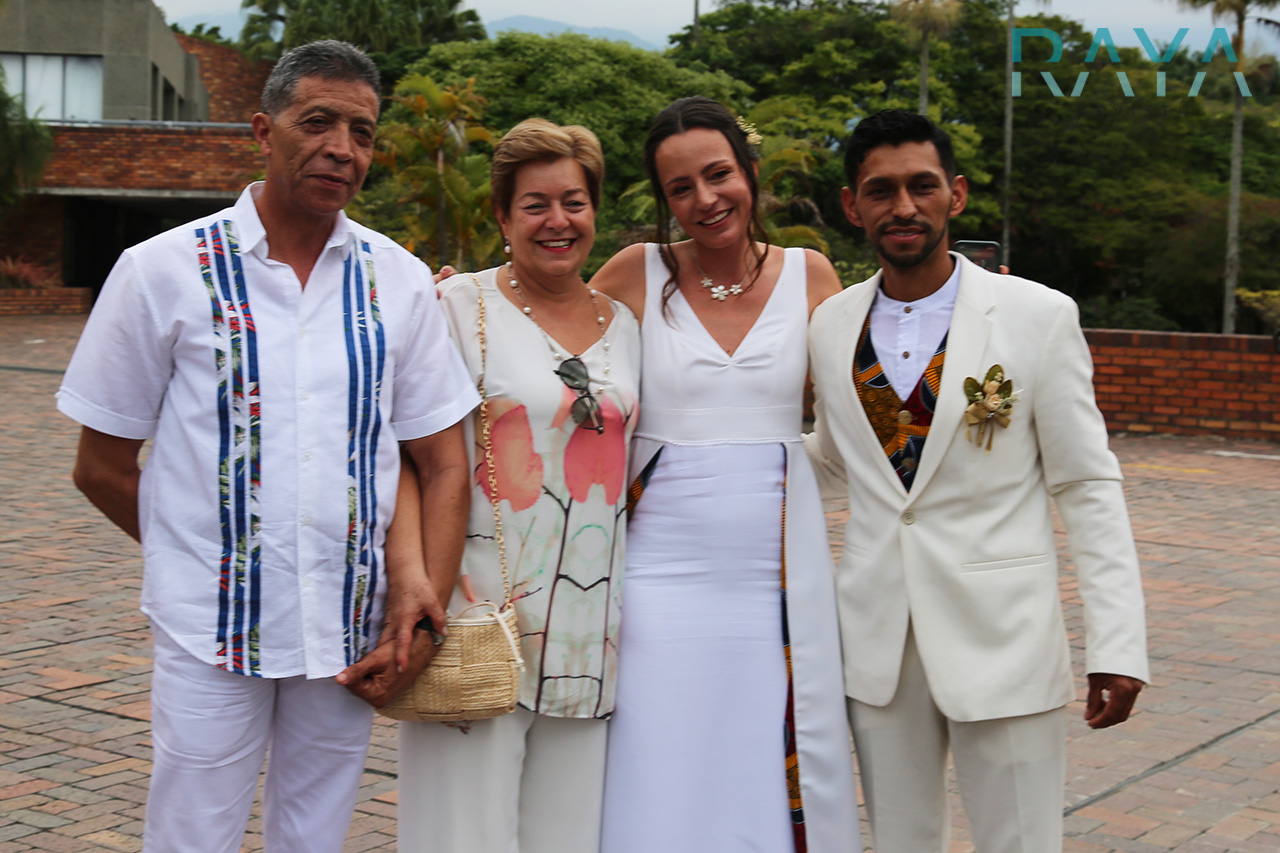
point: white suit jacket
(968, 555)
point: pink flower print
(517, 465)
(592, 457)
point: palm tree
(926, 18)
(25, 146)
(1239, 10)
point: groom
(952, 404)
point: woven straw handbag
(476, 672)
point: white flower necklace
(555, 351)
(720, 292)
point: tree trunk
(1233, 220)
(1008, 137)
(924, 73)
(441, 251)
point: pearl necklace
(555, 353)
(720, 292)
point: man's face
(905, 202)
(319, 147)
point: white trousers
(211, 728)
(1011, 772)
(522, 783)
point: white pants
(211, 729)
(1011, 772)
(523, 783)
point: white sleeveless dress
(697, 744)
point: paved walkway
(1196, 770)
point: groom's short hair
(895, 127)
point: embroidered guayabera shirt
(275, 411)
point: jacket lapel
(860, 425)
(966, 343)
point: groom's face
(904, 200)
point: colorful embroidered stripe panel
(239, 448)
(366, 359)
(794, 794)
(901, 427)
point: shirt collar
(252, 234)
(942, 298)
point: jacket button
(908, 518)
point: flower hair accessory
(749, 131)
(990, 403)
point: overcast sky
(654, 20)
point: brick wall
(234, 83)
(50, 300)
(1187, 384)
(115, 157)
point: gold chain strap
(487, 440)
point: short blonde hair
(539, 140)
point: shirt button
(904, 417)
(906, 355)
(306, 395)
(307, 455)
(907, 310)
(306, 521)
(908, 518)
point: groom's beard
(907, 258)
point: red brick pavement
(1197, 769)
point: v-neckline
(754, 323)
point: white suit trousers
(211, 728)
(1011, 772)
(522, 783)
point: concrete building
(150, 128)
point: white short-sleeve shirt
(275, 412)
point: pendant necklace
(720, 292)
(555, 352)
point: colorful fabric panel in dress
(795, 800)
(901, 427)
(366, 359)
(239, 448)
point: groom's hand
(1111, 699)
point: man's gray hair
(328, 59)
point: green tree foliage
(25, 147)
(613, 88)
(434, 197)
(377, 26)
(1119, 200)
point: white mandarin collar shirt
(275, 412)
(907, 334)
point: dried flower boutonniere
(990, 403)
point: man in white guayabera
(278, 354)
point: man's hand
(406, 605)
(376, 679)
(1111, 699)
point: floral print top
(562, 491)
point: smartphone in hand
(984, 253)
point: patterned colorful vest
(901, 427)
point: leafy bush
(21, 273)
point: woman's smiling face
(551, 223)
(705, 187)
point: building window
(54, 87)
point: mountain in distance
(545, 27)
(230, 24)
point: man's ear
(261, 123)
(848, 205)
(959, 194)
